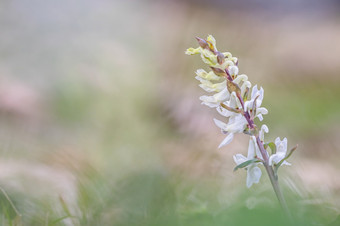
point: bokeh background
(100, 122)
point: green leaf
(272, 146)
(291, 151)
(246, 163)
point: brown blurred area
(104, 86)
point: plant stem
(273, 178)
(272, 175)
(10, 202)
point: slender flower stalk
(234, 101)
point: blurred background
(100, 122)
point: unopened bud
(233, 87)
(245, 95)
(211, 46)
(220, 57)
(202, 43)
(219, 71)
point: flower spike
(240, 107)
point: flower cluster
(233, 96)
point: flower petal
(239, 159)
(227, 140)
(262, 111)
(222, 95)
(257, 150)
(209, 101)
(285, 144)
(251, 149)
(254, 91)
(240, 78)
(208, 76)
(220, 124)
(233, 70)
(253, 175)
(281, 146)
(192, 51)
(236, 124)
(276, 158)
(225, 112)
(286, 163)
(264, 128)
(211, 87)
(244, 87)
(277, 141)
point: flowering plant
(233, 96)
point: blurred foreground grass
(151, 198)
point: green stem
(272, 175)
(10, 202)
(273, 178)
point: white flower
(240, 78)
(264, 129)
(242, 82)
(225, 112)
(261, 111)
(255, 92)
(233, 102)
(236, 124)
(206, 81)
(207, 76)
(244, 86)
(256, 147)
(281, 152)
(215, 100)
(258, 95)
(253, 172)
(233, 70)
(208, 57)
(211, 87)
